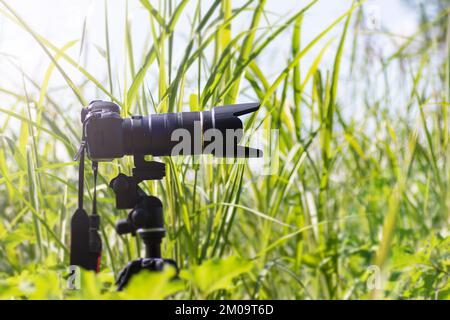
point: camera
(217, 131)
(106, 136)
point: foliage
(363, 150)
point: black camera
(218, 132)
(106, 136)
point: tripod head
(126, 188)
(145, 219)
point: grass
(362, 190)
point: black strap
(95, 242)
(80, 156)
(85, 241)
(94, 199)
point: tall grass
(358, 185)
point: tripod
(146, 217)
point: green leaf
(216, 274)
(152, 285)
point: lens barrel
(153, 134)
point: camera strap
(85, 241)
(95, 242)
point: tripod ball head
(147, 216)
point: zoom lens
(109, 136)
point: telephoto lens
(218, 132)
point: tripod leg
(125, 275)
(173, 263)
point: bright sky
(61, 21)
